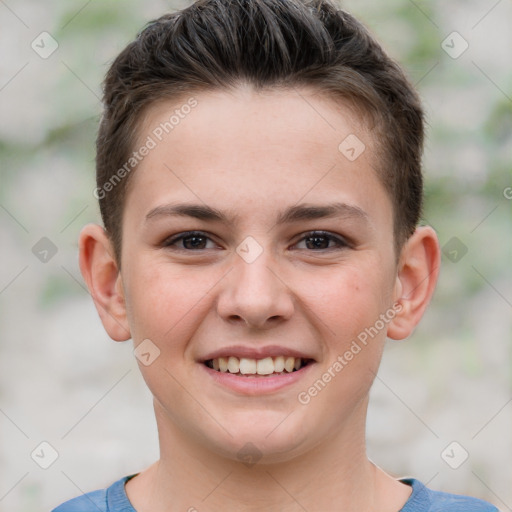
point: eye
(319, 240)
(191, 240)
(198, 241)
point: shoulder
(111, 499)
(423, 499)
(92, 501)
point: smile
(248, 376)
(268, 366)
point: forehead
(231, 116)
(244, 148)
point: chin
(261, 438)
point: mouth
(254, 368)
(257, 371)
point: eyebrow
(295, 213)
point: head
(269, 45)
(262, 115)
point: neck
(335, 474)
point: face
(248, 234)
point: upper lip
(255, 353)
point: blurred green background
(62, 380)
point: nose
(255, 294)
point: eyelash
(342, 243)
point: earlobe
(416, 279)
(101, 274)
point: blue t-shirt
(114, 499)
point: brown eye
(320, 240)
(192, 240)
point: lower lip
(257, 385)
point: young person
(259, 180)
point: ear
(417, 274)
(101, 274)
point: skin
(254, 154)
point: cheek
(348, 300)
(349, 304)
(164, 301)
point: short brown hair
(219, 44)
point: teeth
(289, 364)
(247, 366)
(223, 364)
(266, 366)
(233, 364)
(278, 364)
